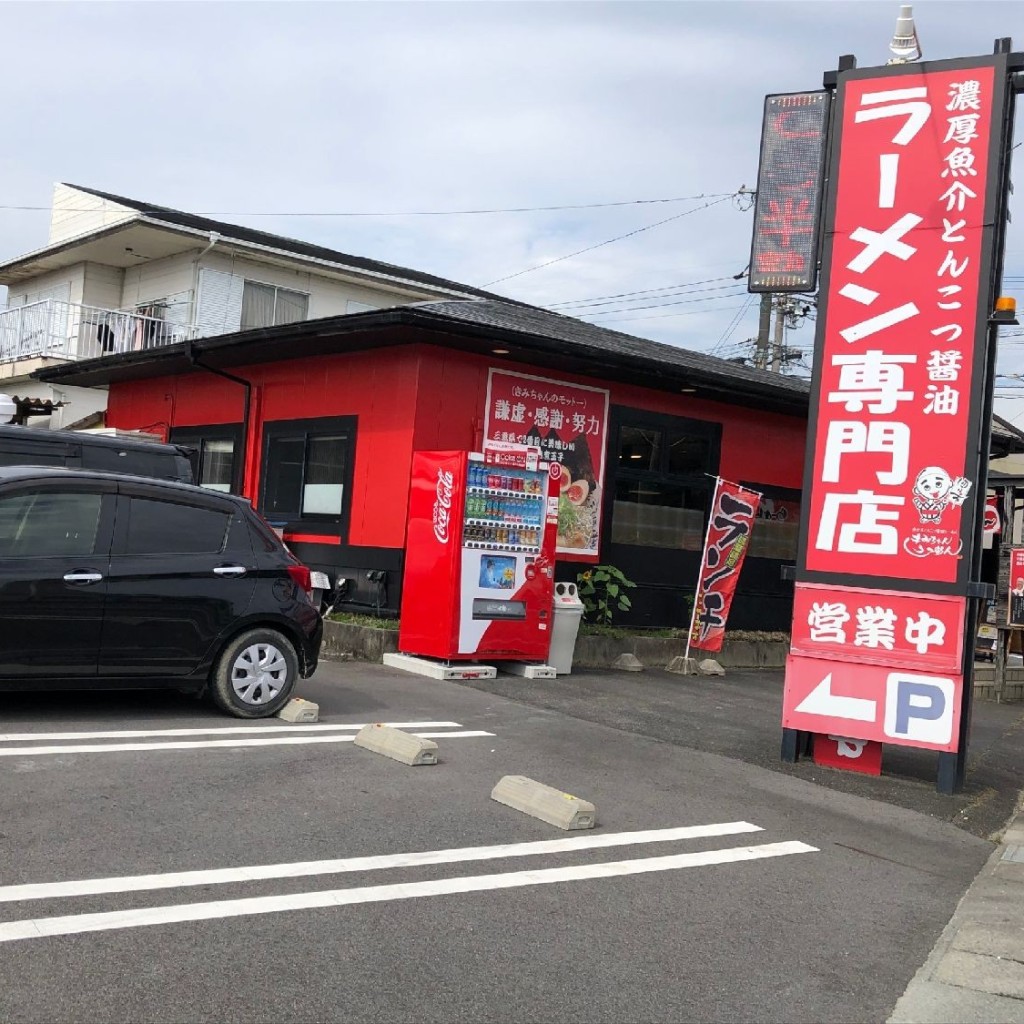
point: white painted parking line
(27, 737)
(300, 869)
(76, 924)
(272, 741)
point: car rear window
(169, 528)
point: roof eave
(638, 369)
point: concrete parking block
(396, 744)
(545, 802)
(299, 710)
(682, 666)
(628, 663)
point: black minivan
(30, 446)
(111, 581)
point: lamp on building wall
(8, 409)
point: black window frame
(193, 437)
(700, 480)
(316, 427)
(773, 492)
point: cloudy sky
(363, 125)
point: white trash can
(568, 613)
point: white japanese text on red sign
(903, 367)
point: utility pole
(763, 330)
(781, 308)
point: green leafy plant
(602, 590)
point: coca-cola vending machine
(480, 555)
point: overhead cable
(607, 241)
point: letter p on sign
(919, 708)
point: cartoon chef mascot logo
(935, 490)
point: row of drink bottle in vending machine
(502, 535)
(505, 510)
(490, 478)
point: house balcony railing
(52, 329)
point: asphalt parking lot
(162, 862)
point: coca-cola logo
(443, 504)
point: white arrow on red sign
(822, 701)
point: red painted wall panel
(378, 388)
(757, 446)
(423, 397)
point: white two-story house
(118, 275)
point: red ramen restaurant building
(316, 423)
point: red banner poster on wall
(569, 424)
(732, 518)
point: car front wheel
(255, 674)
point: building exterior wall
(327, 296)
(380, 391)
(66, 285)
(168, 280)
(75, 213)
(79, 402)
(102, 286)
(425, 397)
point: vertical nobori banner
(894, 461)
(729, 524)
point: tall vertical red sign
(893, 470)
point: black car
(36, 446)
(108, 580)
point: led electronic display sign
(784, 254)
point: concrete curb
(343, 640)
(346, 641)
(975, 973)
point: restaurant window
(216, 463)
(265, 305)
(776, 531)
(662, 489)
(307, 468)
(215, 453)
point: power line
(409, 213)
(733, 324)
(607, 241)
(593, 300)
(664, 316)
(661, 305)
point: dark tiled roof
(1006, 429)
(291, 245)
(548, 339)
(583, 337)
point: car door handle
(230, 570)
(83, 577)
